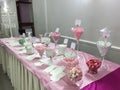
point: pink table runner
(109, 82)
(90, 82)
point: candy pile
(93, 65)
(77, 32)
(55, 36)
(70, 62)
(50, 52)
(40, 49)
(75, 74)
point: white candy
(103, 44)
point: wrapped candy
(50, 52)
(93, 65)
(75, 74)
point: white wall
(39, 16)
(95, 15)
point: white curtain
(20, 77)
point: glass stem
(55, 44)
(104, 65)
(51, 59)
(77, 49)
(77, 45)
(41, 56)
(102, 59)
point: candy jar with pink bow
(104, 43)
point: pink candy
(40, 49)
(55, 36)
(77, 32)
(93, 65)
(70, 62)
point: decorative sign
(57, 29)
(73, 45)
(65, 41)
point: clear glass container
(104, 43)
(77, 32)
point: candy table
(24, 75)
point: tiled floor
(5, 83)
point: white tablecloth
(20, 77)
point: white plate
(57, 70)
(57, 77)
(38, 64)
(31, 57)
(50, 68)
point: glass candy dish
(55, 36)
(93, 65)
(50, 53)
(77, 31)
(29, 48)
(62, 49)
(22, 41)
(45, 40)
(40, 50)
